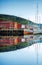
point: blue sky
(22, 8)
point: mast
(37, 22)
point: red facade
(6, 24)
(19, 26)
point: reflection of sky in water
(26, 56)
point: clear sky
(22, 8)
